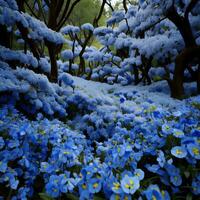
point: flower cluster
(149, 146)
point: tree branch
(96, 19)
(191, 5)
(125, 6)
(30, 9)
(68, 14)
(110, 5)
(41, 10)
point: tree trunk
(81, 66)
(183, 26)
(54, 68)
(5, 39)
(198, 80)
(136, 75)
(51, 46)
(182, 60)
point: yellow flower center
(95, 185)
(126, 198)
(195, 151)
(178, 151)
(153, 197)
(116, 186)
(42, 132)
(84, 186)
(131, 182)
(163, 193)
(127, 186)
(117, 197)
(167, 127)
(178, 133)
(137, 174)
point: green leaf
(71, 197)
(189, 196)
(98, 198)
(44, 196)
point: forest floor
(157, 93)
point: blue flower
(176, 179)
(13, 143)
(3, 166)
(179, 152)
(66, 183)
(172, 170)
(46, 167)
(130, 184)
(195, 133)
(115, 197)
(195, 187)
(120, 196)
(14, 183)
(178, 133)
(94, 185)
(194, 150)
(116, 187)
(10, 176)
(161, 158)
(166, 129)
(139, 173)
(126, 173)
(153, 193)
(87, 172)
(165, 195)
(152, 168)
(23, 192)
(52, 187)
(83, 190)
(122, 99)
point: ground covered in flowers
(97, 142)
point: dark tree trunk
(5, 39)
(31, 43)
(70, 66)
(136, 74)
(54, 68)
(198, 80)
(51, 46)
(81, 66)
(182, 60)
(188, 54)
(146, 62)
(183, 25)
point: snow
(139, 93)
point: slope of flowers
(33, 93)
(120, 148)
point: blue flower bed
(151, 154)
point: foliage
(59, 142)
(152, 152)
